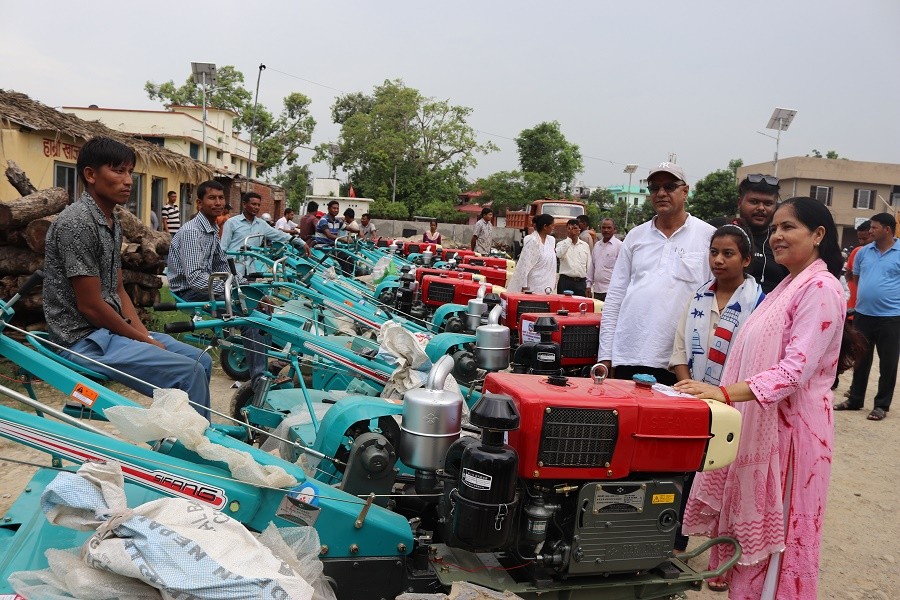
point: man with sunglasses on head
(660, 265)
(757, 200)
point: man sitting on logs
(85, 303)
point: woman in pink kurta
(779, 374)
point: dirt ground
(860, 558)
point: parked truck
(562, 211)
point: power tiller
(571, 485)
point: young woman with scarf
(712, 319)
(779, 373)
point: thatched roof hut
(30, 114)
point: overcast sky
(629, 81)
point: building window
(135, 203)
(863, 199)
(195, 151)
(64, 176)
(821, 193)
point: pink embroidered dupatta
(744, 500)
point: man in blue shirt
(239, 227)
(196, 254)
(330, 226)
(877, 267)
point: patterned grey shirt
(485, 232)
(194, 256)
(79, 243)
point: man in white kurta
(661, 263)
(536, 267)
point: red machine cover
(586, 431)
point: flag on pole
(352, 192)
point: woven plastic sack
(182, 548)
(170, 415)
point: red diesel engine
(494, 262)
(515, 304)
(437, 290)
(421, 272)
(456, 253)
(578, 336)
(490, 274)
(418, 248)
(599, 468)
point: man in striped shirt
(171, 214)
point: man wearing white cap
(661, 263)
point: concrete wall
(461, 235)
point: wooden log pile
(24, 222)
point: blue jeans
(179, 366)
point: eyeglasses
(756, 178)
(669, 187)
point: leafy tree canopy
(398, 144)
(830, 154)
(295, 181)
(544, 149)
(443, 210)
(602, 198)
(716, 194)
(514, 190)
(385, 209)
(276, 138)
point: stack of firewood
(24, 223)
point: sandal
(877, 414)
(717, 584)
(845, 405)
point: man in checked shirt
(196, 254)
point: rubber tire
(234, 363)
(241, 398)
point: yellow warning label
(663, 498)
(84, 394)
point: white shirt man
(574, 256)
(661, 263)
(603, 259)
(286, 223)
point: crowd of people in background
(750, 314)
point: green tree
(276, 138)
(295, 181)
(602, 198)
(636, 214)
(399, 144)
(385, 209)
(513, 190)
(716, 194)
(544, 149)
(832, 154)
(442, 210)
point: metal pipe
(40, 406)
(262, 68)
(438, 374)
